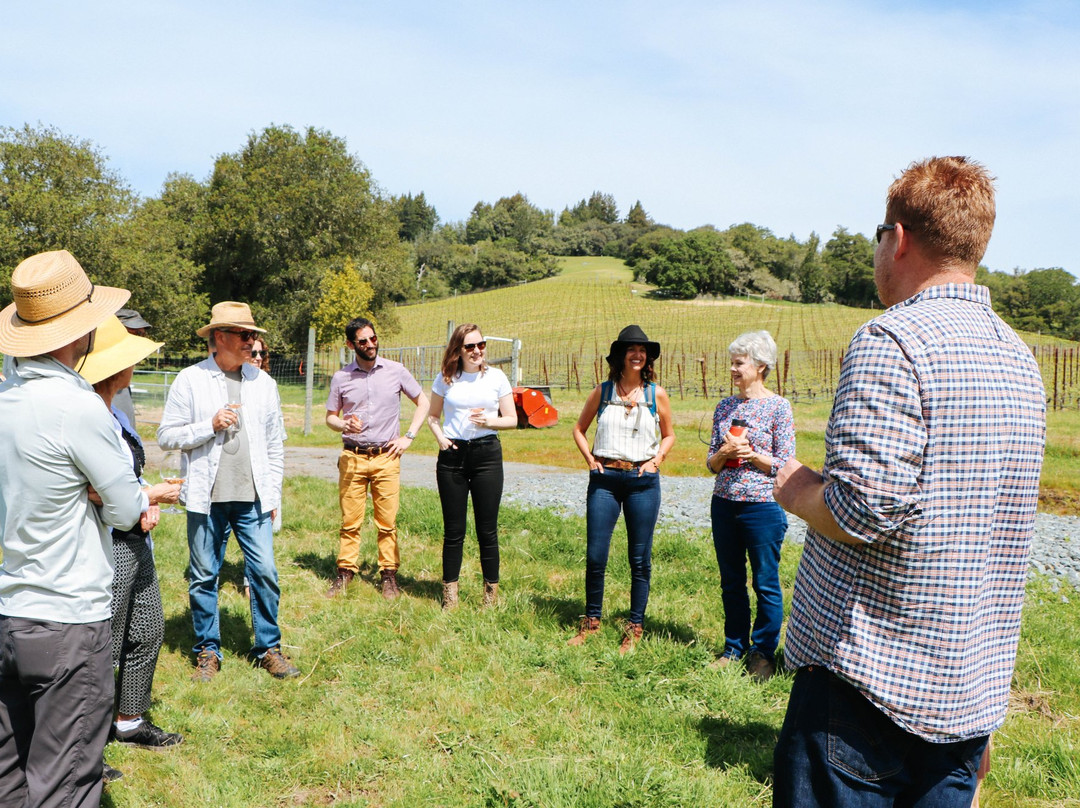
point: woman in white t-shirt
(473, 400)
(633, 436)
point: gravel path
(1055, 547)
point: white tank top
(626, 431)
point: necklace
(628, 398)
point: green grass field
(402, 705)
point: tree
(600, 207)
(343, 295)
(284, 210)
(849, 261)
(415, 216)
(512, 217)
(637, 217)
(689, 264)
(56, 192)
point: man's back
(934, 449)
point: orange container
(534, 409)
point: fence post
(515, 362)
(309, 379)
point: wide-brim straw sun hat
(230, 314)
(55, 304)
(633, 335)
(114, 350)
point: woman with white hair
(753, 436)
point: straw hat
(230, 314)
(115, 350)
(55, 304)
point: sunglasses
(882, 228)
(262, 354)
(469, 346)
(360, 343)
(244, 335)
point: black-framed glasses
(244, 335)
(364, 341)
(881, 228)
(260, 354)
(469, 346)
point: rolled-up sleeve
(876, 439)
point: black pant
(56, 701)
(476, 468)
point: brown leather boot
(341, 582)
(630, 637)
(589, 625)
(390, 588)
(449, 595)
(491, 594)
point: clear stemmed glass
(171, 473)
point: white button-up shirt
(187, 424)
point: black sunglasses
(468, 346)
(244, 335)
(881, 228)
(262, 354)
(360, 343)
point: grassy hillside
(566, 324)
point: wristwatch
(410, 436)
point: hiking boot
(759, 668)
(491, 594)
(449, 595)
(390, 588)
(631, 636)
(722, 662)
(589, 625)
(277, 664)
(207, 666)
(109, 774)
(341, 582)
(148, 736)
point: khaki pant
(357, 474)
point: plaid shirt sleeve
(875, 439)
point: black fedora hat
(633, 335)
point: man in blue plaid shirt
(906, 611)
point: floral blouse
(771, 432)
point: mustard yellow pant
(356, 475)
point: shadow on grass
(236, 637)
(324, 567)
(566, 611)
(737, 745)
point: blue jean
(207, 535)
(837, 750)
(638, 497)
(753, 530)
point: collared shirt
(375, 395)
(195, 396)
(933, 454)
(57, 437)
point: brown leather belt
(621, 465)
(369, 449)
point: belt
(369, 449)
(475, 441)
(621, 465)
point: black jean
(475, 467)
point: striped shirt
(933, 454)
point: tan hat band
(87, 299)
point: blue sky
(792, 115)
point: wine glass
(172, 472)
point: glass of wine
(171, 473)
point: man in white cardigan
(224, 414)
